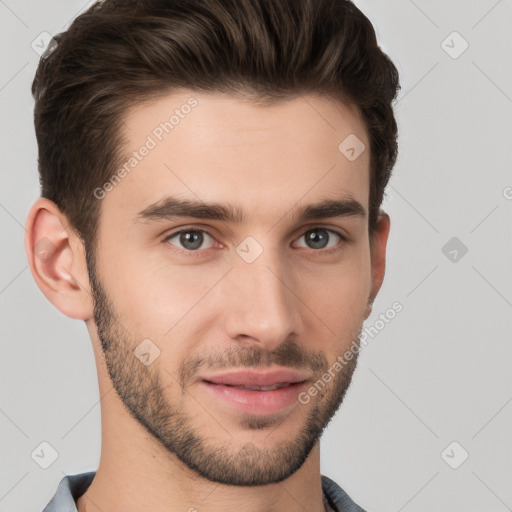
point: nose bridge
(262, 306)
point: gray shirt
(71, 487)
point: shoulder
(337, 497)
(70, 488)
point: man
(212, 173)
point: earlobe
(378, 259)
(57, 260)
(369, 308)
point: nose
(263, 307)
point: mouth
(278, 385)
(253, 392)
(250, 378)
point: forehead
(221, 148)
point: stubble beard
(141, 391)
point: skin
(294, 306)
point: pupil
(317, 238)
(191, 239)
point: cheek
(339, 296)
(154, 298)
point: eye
(320, 238)
(191, 239)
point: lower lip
(257, 402)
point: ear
(56, 257)
(378, 244)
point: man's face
(263, 299)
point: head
(201, 214)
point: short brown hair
(119, 52)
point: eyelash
(198, 252)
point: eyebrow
(170, 208)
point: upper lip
(258, 378)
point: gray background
(439, 372)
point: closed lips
(258, 381)
(254, 392)
(257, 388)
